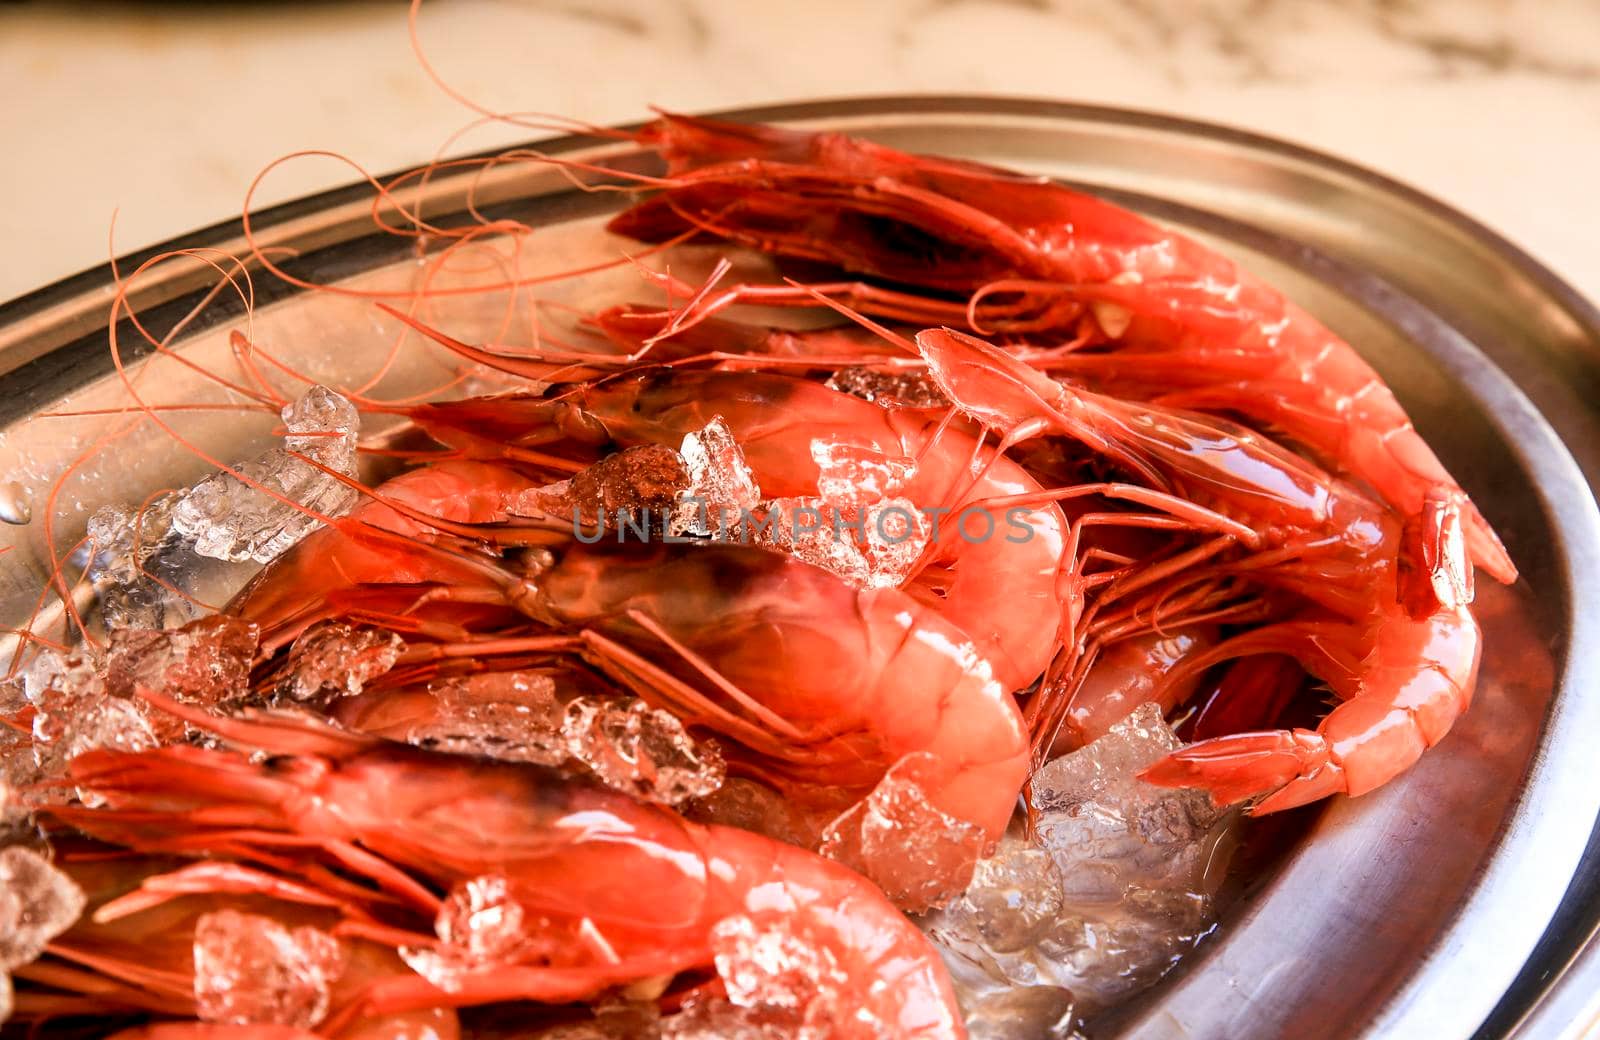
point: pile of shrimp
(1161, 482)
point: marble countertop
(163, 113)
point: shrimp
(1402, 682)
(1189, 316)
(347, 554)
(822, 686)
(134, 950)
(1401, 649)
(611, 892)
(852, 680)
(1126, 674)
(1001, 590)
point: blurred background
(164, 112)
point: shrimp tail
(1293, 766)
(1404, 681)
(1435, 551)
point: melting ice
(231, 520)
(249, 969)
(1114, 892)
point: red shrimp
(613, 892)
(1001, 590)
(1337, 545)
(1405, 669)
(1190, 315)
(822, 687)
(846, 685)
(347, 554)
(1126, 674)
(1402, 682)
(133, 950)
(857, 679)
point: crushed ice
(37, 903)
(622, 741)
(229, 519)
(919, 855)
(480, 924)
(871, 547)
(73, 713)
(136, 564)
(642, 750)
(331, 659)
(82, 701)
(1116, 890)
(251, 970)
(849, 475)
(782, 983)
(206, 663)
(511, 716)
(721, 488)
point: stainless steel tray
(1433, 907)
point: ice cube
(1116, 891)
(249, 969)
(481, 924)
(1042, 1012)
(61, 688)
(18, 767)
(1106, 828)
(1015, 898)
(332, 659)
(918, 854)
(782, 971)
(205, 663)
(483, 919)
(73, 714)
(850, 475)
(897, 535)
(114, 724)
(512, 716)
(137, 562)
(37, 903)
(642, 750)
(324, 425)
(232, 519)
(871, 546)
(721, 488)
(812, 530)
(750, 806)
(897, 389)
(768, 962)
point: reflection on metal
(1407, 913)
